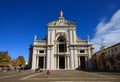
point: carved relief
(63, 34)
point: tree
(4, 59)
(20, 61)
(13, 62)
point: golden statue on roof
(61, 13)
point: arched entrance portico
(61, 58)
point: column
(67, 48)
(68, 62)
(86, 67)
(89, 59)
(55, 62)
(48, 58)
(37, 59)
(44, 63)
(33, 60)
(71, 41)
(74, 34)
(55, 48)
(75, 59)
(65, 62)
(58, 47)
(52, 59)
(48, 37)
(58, 62)
(71, 58)
(51, 37)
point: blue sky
(20, 20)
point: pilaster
(68, 60)
(34, 60)
(58, 62)
(44, 63)
(89, 58)
(65, 62)
(55, 62)
(71, 58)
(48, 58)
(37, 59)
(70, 34)
(74, 34)
(75, 59)
(52, 59)
(48, 37)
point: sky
(20, 20)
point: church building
(61, 48)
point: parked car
(38, 70)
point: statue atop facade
(88, 38)
(61, 13)
(35, 38)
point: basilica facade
(61, 48)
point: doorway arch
(61, 50)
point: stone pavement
(60, 76)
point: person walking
(0, 69)
(19, 69)
(48, 73)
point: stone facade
(108, 58)
(61, 48)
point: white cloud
(107, 33)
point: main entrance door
(41, 60)
(82, 60)
(61, 62)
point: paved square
(60, 76)
(67, 75)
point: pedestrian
(19, 69)
(0, 69)
(48, 73)
(7, 69)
